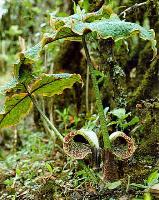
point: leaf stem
(107, 143)
(87, 90)
(45, 117)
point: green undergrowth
(32, 167)
(37, 171)
(19, 169)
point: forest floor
(32, 168)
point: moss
(46, 190)
(150, 135)
(153, 9)
(137, 172)
(144, 89)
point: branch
(132, 9)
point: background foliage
(32, 166)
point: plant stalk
(45, 117)
(87, 90)
(47, 120)
(107, 143)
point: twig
(130, 9)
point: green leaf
(153, 178)
(48, 166)
(23, 69)
(8, 182)
(105, 28)
(8, 86)
(77, 9)
(58, 22)
(18, 172)
(119, 112)
(138, 185)
(34, 52)
(16, 108)
(147, 196)
(74, 26)
(14, 30)
(51, 84)
(133, 121)
(113, 185)
(86, 5)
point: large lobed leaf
(100, 22)
(76, 25)
(113, 27)
(18, 106)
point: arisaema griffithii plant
(21, 93)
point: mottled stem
(107, 144)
